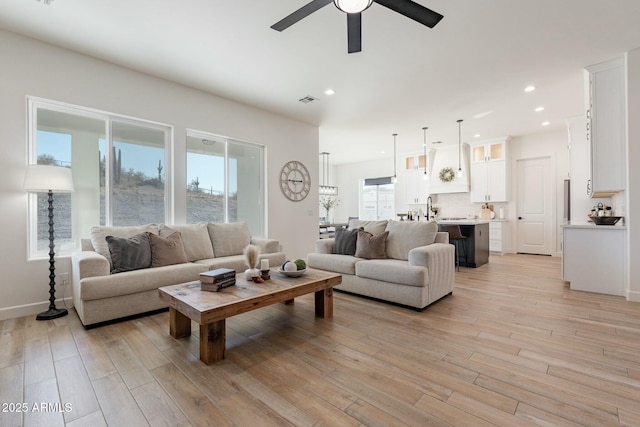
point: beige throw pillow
(167, 251)
(371, 247)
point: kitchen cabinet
(489, 171)
(497, 236)
(594, 258)
(606, 126)
(416, 188)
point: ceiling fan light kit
(354, 9)
(352, 6)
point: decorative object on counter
(459, 173)
(394, 179)
(325, 188)
(425, 176)
(328, 203)
(446, 174)
(435, 210)
(486, 212)
(501, 214)
(49, 179)
(251, 254)
(605, 220)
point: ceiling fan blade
(413, 10)
(299, 14)
(354, 32)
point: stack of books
(214, 280)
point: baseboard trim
(33, 309)
(633, 296)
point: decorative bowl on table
(296, 273)
(605, 220)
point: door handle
(520, 217)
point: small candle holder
(265, 274)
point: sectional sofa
(414, 267)
(107, 287)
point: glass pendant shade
(352, 6)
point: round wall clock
(295, 181)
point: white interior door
(535, 206)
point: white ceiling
(473, 65)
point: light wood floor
(512, 346)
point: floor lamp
(49, 179)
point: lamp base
(52, 313)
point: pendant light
(352, 6)
(325, 188)
(425, 176)
(459, 173)
(395, 177)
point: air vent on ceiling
(308, 99)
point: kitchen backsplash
(458, 205)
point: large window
(119, 171)
(376, 199)
(225, 181)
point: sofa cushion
(406, 235)
(229, 238)
(237, 262)
(99, 233)
(345, 242)
(98, 287)
(167, 251)
(371, 246)
(393, 271)
(132, 253)
(373, 227)
(195, 237)
(341, 264)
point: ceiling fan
(354, 9)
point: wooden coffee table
(210, 309)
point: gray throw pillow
(133, 253)
(371, 246)
(345, 242)
(167, 250)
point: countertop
(592, 226)
(463, 221)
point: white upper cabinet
(416, 187)
(489, 170)
(606, 126)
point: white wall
(633, 173)
(34, 68)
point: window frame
(193, 133)
(35, 103)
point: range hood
(446, 156)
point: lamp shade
(352, 6)
(42, 178)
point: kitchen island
(476, 243)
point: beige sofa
(100, 295)
(419, 267)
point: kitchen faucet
(429, 205)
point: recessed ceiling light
(477, 135)
(546, 123)
(539, 109)
(329, 92)
(529, 88)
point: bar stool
(457, 238)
